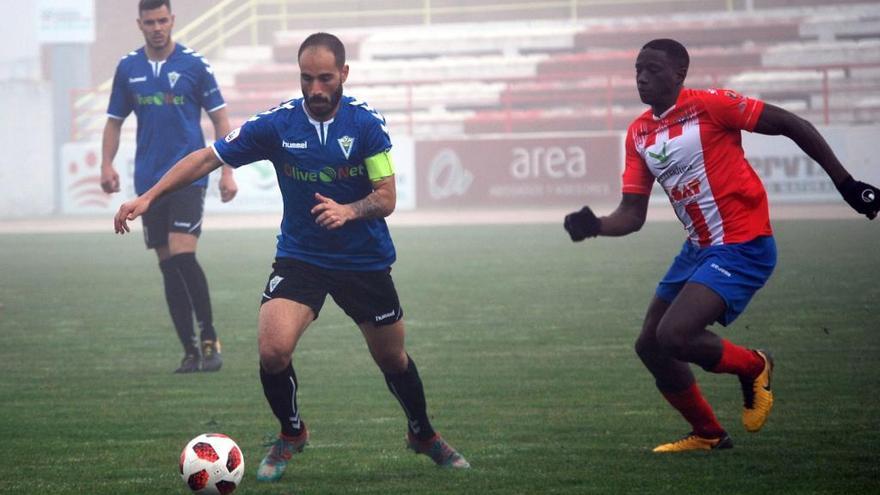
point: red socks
(690, 401)
(691, 404)
(739, 361)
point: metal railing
(249, 21)
(609, 103)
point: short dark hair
(153, 5)
(673, 49)
(328, 41)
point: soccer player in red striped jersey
(689, 141)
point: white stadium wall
(790, 176)
(81, 192)
(511, 171)
(518, 170)
(26, 171)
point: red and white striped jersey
(694, 151)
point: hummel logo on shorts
(390, 314)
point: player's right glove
(582, 224)
(864, 198)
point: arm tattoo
(368, 207)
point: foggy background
(491, 105)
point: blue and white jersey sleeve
(120, 102)
(250, 143)
(209, 90)
(374, 133)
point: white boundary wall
(258, 192)
(26, 163)
(789, 175)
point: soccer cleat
(438, 450)
(189, 364)
(692, 441)
(280, 452)
(757, 397)
(211, 358)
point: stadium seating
(538, 76)
(693, 32)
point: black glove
(864, 198)
(582, 224)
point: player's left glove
(582, 224)
(864, 198)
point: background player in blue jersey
(167, 85)
(332, 159)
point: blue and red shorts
(734, 271)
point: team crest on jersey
(346, 143)
(173, 77)
(274, 282)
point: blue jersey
(319, 157)
(167, 97)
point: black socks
(280, 390)
(407, 388)
(186, 290)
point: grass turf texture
(524, 343)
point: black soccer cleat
(189, 364)
(211, 358)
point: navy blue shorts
(365, 296)
(734, 271)
(180, 211)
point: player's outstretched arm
(109, 147)
(862, 197)
(627, 218)
(189, 169)
(378, 204)
(228, 187)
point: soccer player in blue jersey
(167, 85)
(332, 158)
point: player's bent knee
(672, 343)
(274, 363)
(392, 363)
(645, 347)
(390, 359)
(273, 358)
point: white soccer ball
(211, 463)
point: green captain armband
(379, 166)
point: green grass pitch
(524, 343)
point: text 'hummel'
(385, 316)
